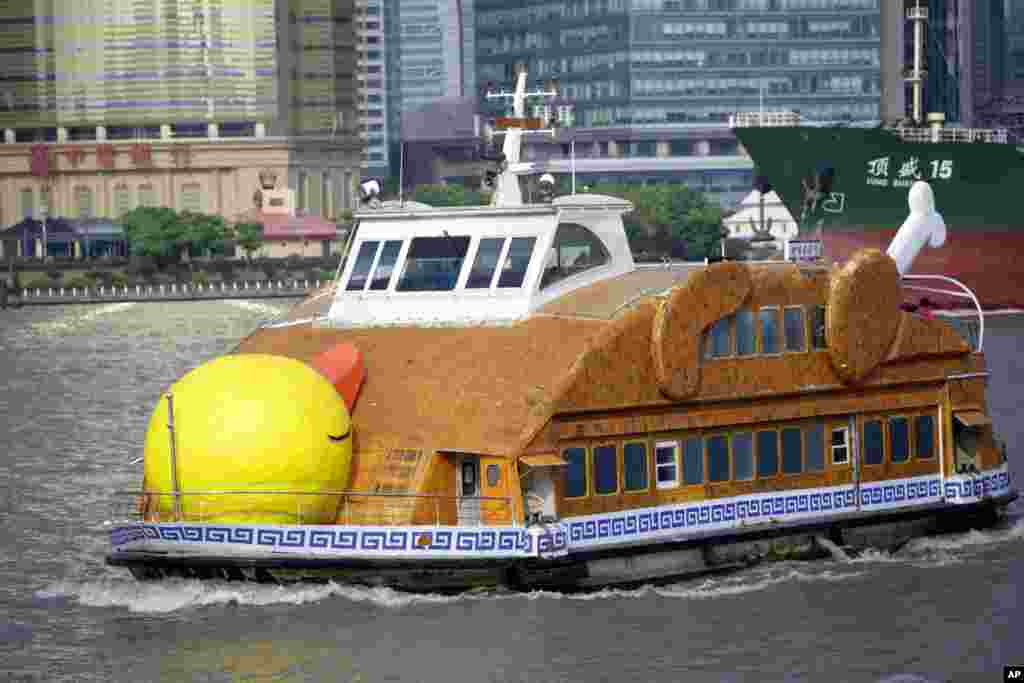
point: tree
(204, 233)
(447, 195)
(249, 236)
(155, 232)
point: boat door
(468, 487)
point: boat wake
(267, 311)
(74, 321)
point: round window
(493, 475)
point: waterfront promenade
(259, 289)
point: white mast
(918, 15)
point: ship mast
(918, 15)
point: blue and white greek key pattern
(972, 488)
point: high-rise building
(371, 22)
(111, 104)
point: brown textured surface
(917, 338)
(708, 295)
(863, 313)
(603, 299)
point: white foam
(74, 320)
(255, 307)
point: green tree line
(163, 234)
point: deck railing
(358, 508)
(963, 293)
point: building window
(517, 260)
(769, 327)
(818, 328)
(346, 190)
(718, 340)
(746, 335)
(192, 198)
(693, 460)
(300, 191)
(575, 250)
(792, 451)
(147, 195)
(840, 446)
(27, 200)
(634, 467)
(793, 325)
(433, 264)
(575, 472)
(767, 453)
(385, 265)
(874, 443)
(44, 202)
(325, 194)
(666, 464)
(83, 202)
(315, 195)
(718, 457)
(814, 447)
(361, 268)
(606, 470)
(899, 439)
(743, 456)
(924, 435)
(122, 200)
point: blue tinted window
(899, 439)
(718, 341)
(792, 451)
(718, 458)
(924, 426)
(693, 461)
(386, 264)
(361, 269)
(874, 444)
(485, 262)
(516, 262)
(814, 447)
(769, 324)
(743, 455)
(433, 264)
(575, 472)
(606, 470)
(634, 467)
(746, 335)
(767, 453)
(793, 322)
(818, 328)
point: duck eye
(340, 437)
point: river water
(77, 385)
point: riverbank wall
(61, 296)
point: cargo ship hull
(848, 187)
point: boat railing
(357, 508)
(962, 292)
(943, 134)
(764, 119)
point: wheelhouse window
(718, 340)
(517, 260)
(361, 268)
(767, 453)
(924, 436)
(746, 334)
(792, 451)
(385, 265)
(433, 264)
(768, 319)
(693, 460)
(743, 456)
(793, 326)
(874, 443)
(840, 446)
(718, 457)
(575, 472)
(814, 447)
(485, 263)
(818, 328)
(575, 249)
(606, 470)
(899, 439)
(666, 464)
(634, 467)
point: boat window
(575, 249)
(493, 475)
(361, 269)
(634, 466)
(840, 446)
(814, 447)
(792, 451)
(769, 324)
(924, 435)
(899, 439)
(606, 470)
(874, 443)
(433, 264)
(513, 271)
(575, 472)
(718, 340)
(693, 461)
(767, 453)
(793, 324)
(485, 263)
(718, 458)
(743, 455)
(818, 328)
(666, 464)
(746, 336)
(385, 265)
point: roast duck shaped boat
(500, 396)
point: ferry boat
(846, 185)
(499, 396)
